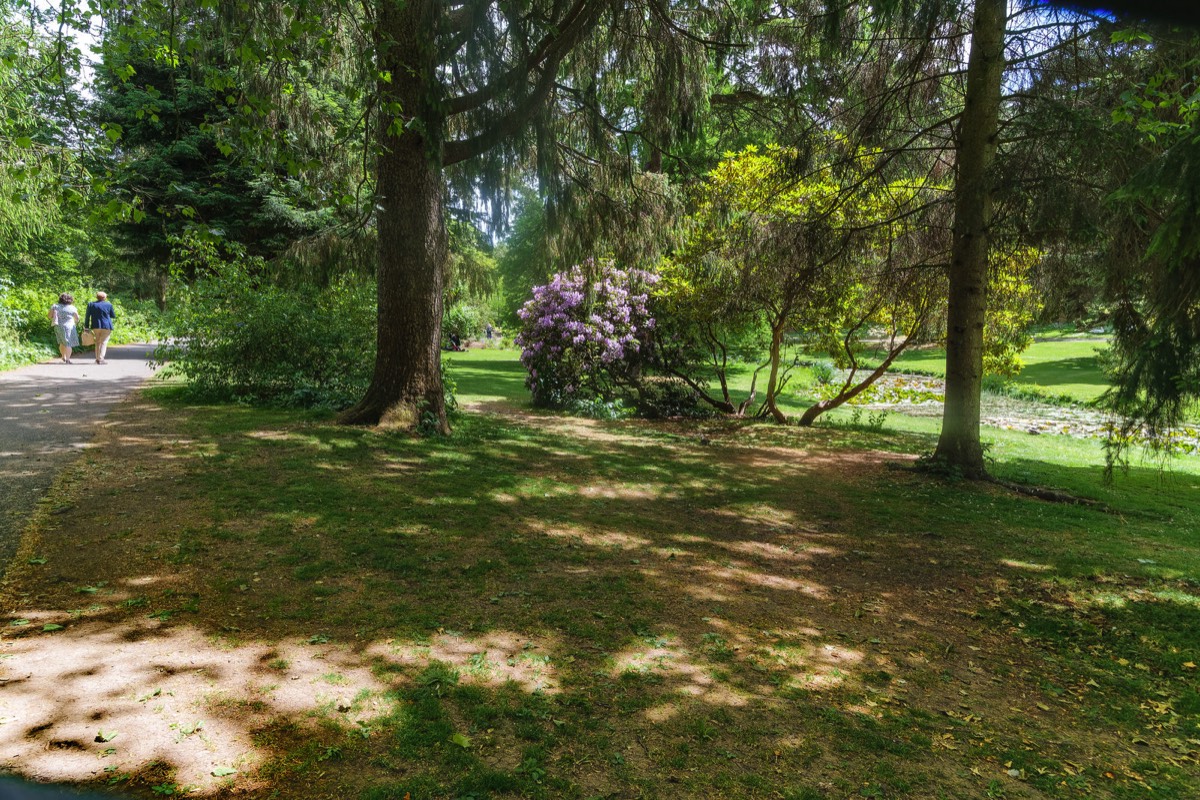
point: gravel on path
(47, 415)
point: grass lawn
(1066, 367)
(538, 606)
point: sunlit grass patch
(1173, 595)
(1026, 565)
(497, 659)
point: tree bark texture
(959, 444)
(773, 381)
(406, 387)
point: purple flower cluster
(583, 331)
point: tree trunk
(959, 445)
(407, 383)
(161, 282)
(773, 381)
(848, 392)
(724, 406)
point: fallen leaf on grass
(188, 730)
(460, 740)
(221, 772)
(50, 626)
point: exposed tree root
(1051, 495)
(1038, 492)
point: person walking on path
(99, 318)
(65, 318)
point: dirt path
(49, 413)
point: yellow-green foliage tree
(831, 251)
(1012, 307)
(827, 249)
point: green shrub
(15, 349)
(234, 336)
(659, 397)
(26, 307)
(465, 320)
(597, 408)
(137, 320)
(823, 372)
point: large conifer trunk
(407, 382)
(959, 445)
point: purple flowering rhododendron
(583, 333)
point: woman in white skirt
(65, 318)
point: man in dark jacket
(99, 318)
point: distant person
(455, 343)
(64, 316)
(99, 318)
(488, 331)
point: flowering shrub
(583, 335)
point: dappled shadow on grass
(127, 691)
(582, 602)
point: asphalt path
(48, 413)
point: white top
(64, 315)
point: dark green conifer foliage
(1153, 259)
(170, 166)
